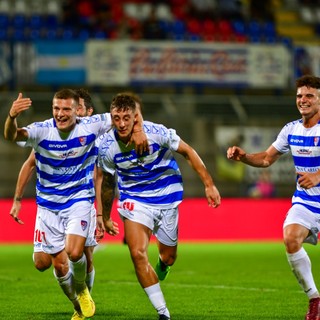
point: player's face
(82, 110)
(64, 113)
(308, 101)
(123, 121)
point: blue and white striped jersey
(65, 166)
(154, 178)
(304, 144)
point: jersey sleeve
(105, 160)
(164, 136)
(282, 143)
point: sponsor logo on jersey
(304, 151)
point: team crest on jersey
(316, 141)
(83, 140)
(84, 225)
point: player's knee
(138, 256)
(42, 261)
(169, 259)
(292, 243)
(42, 266)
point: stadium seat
(163, 12)
(5, 7)
(19, 35)
(269, 31)
(19, 21)
(178, 30)
(255, 32)
(50, 34)
(3, 34)
(83, 34)
(4, 21)
(20, 7)
(225, 30)
(239, 28)
(36, 21)
(34, 34)
(68, 34)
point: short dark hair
(123, 102)
(134, 96)
(309, 81)
(85, 95)
(67, 94)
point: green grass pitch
(221, 281)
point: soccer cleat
(87, 305)
(77, 316)
(163, 317)
(314, 309)
(162, 270)
(312, 237)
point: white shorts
(162, 222)
(52, 227)
(299, 214)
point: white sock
(79, 271)
(156, 297)
(90, 279)
(301, 267)
(66, 284)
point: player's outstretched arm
(194, 160)
(24, 176)
(262, 159)
(11, 130)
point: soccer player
(302, 222)
(43, 260)
(65, 154)
(150, 190)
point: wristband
(99, 215)
(17, 198)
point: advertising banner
(166, 62)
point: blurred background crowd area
(221, 72)
(193, 20)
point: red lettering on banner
(166, 63)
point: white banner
(166, 62)
(107, 62)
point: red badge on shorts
(84, 225)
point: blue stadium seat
(100, 35)
(3, 34)
(68, 34)
(83, 34)
(4, 21)
(178, 30)
(34, 34)
(19, 21)
(51, 34)
(19, 35)
(239, 27)
(36, 21)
